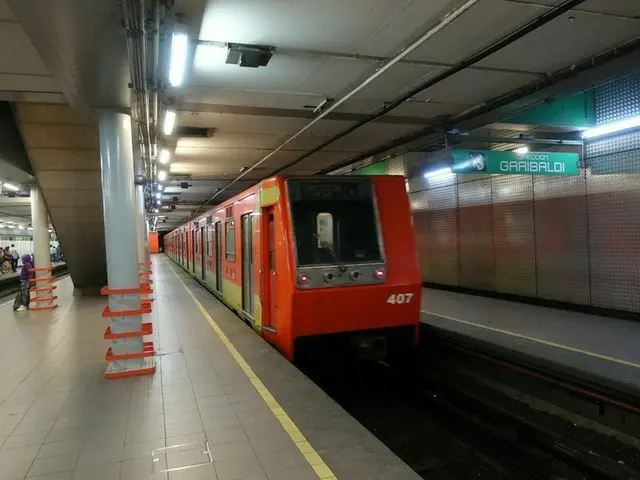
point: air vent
(198, 132)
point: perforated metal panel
(613, 188)
(443, 231)
(618, 100)
(614, 239)
(476, 262)
(395, 166)
(562, 240)
(514, 246)
(571, 238)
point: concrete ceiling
(323, 49)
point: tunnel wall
(570, 239)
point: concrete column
(41, 251)
(121, 238)
(141, 226)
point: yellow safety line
(538, 340)
(312, 457)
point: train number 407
(399, 298)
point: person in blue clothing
(25, 275)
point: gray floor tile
(141, 467)
(238, 469)
(282, 460)
(34, 427)
(15, 470)
(26, 440)
(19, 454)
(91, 456)
(54, 476)
(68, 447)
(186, 439)
(297, 473)
(60, 463)
(109, 471)
(141, 450)
(231, 450)
(221, 422)
(225, 435)
(185, 458)
(186, 428)
(205, 472)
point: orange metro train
(312, 258)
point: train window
(209, 239)
(354, 232)
(230, 240)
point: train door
(203, 259)
(270, 286)
(247, 264)
(218, 257)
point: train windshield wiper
(328, 248)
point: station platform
(223, 404)
(602, 351)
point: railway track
(445, 421)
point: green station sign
(530, 163)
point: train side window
(209, 239)
(272, 246)
(230, 240)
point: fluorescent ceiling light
(169, 122)
(29, 228)
(162, 175)
(160, 188)
(12, 187)
(612, 128)
(437, 173)
(158, 195)
(521, 150)
(165, 156)
(21, 227)
(178, 63)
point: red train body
(303, 258)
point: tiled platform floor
(601, 349)
(61, 420)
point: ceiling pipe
(442, 23)
(467, 62)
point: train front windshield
(334, 221)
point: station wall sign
(530, 163)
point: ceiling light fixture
(162, 175)
(12, 187)
(159, 195)
(437, 173)
(164, 157)
(178, 63)
(521, 150)
(159, 187)
(21, 227)
(612, 128)
(169, 122)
